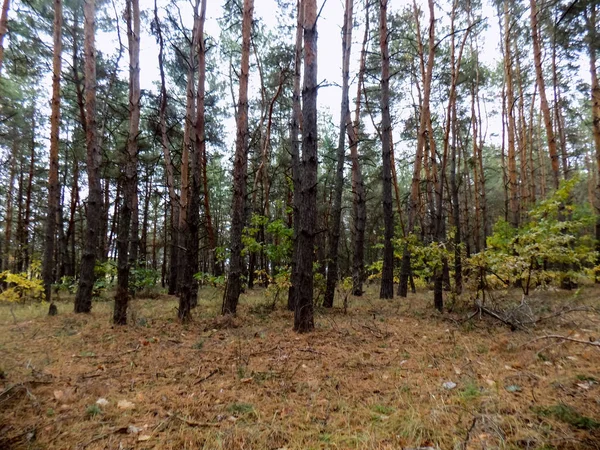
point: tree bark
(295, 151)
(537, 57)
(240, 171)
(126, 243)
(3, 29)
(345, 121)
(303, 317)
(83, 298)
(387, 274)
(510, 103)
(188, 295)
(358, 187)
(49, 265)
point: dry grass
(371, 379)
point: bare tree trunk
(49, 265)
(595, 94)
(189, 139)
(3, 29)
(126, 242)
(295, 151)
(510, 100)
(358, 187)
(387, 274)
(188, 295)
(6, 256)
(240, 169)
(303, 317)
(537, 57)
(25, 255)
(83, 298)
(345, 120)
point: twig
(564, 338)
(207, 376)
(193, 423)
(513, 326)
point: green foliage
(550, 247)
(569, 415)
(20, 288)
(93, 410)
(143, 278)
(205, 278)
(105, 273)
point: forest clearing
(389, 374)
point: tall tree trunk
(295, 151)
(537, 58)
(510, 104)
(83, 298)
(26, 253)
(189, 139)
(595, 94)
(345, 120)
(188, 295)
(3, 29)
(358, 187)
(240, 171)
(53, 185)
(303, 317)
(387, 274)
(6, 251)
(128, 207)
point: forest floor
(386, 375)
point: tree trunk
(295, 151)
(387, 274)
(303, 317)
(83, 298)
(240, 169)
(345, 120)
(358, 187)
(49, 265)
(595, 94)
(126, 242)
(188, 295)
(3, 29)
(6, 256)
(510, 103)
(537, 57)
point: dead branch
(564, 338)
(201, 380)
(513, 325)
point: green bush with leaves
(549, 248)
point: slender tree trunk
(240, 171)
(169, 167)
(387, 274)
(83, 298)
(510, 100)
(295, 151)
(188, 295)
(595, 95)
(26, 253)
(358, 187)
(53, 184)
(303, 317)
(537, 57)
(345, 120)
(189, 139)
(126, 242)
(3, 29)
(9, 208)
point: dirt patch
(388, 375)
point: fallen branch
(513, 325)
(201, 380)
(192, 423)
(564, 338)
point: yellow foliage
(19, 287)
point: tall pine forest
(165, 147)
